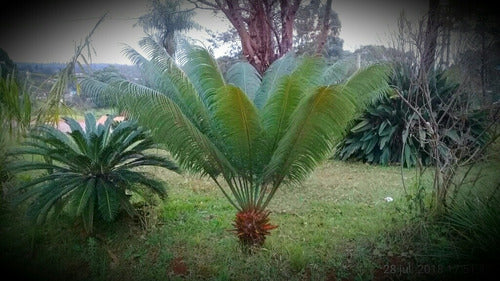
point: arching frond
(239, 126)
(189, 145)
(175, 83)
(150, 73)
(367, 84)
(338, 72)
(271, 77)
(317, 123)
(286, 96)
(245, 76)
(108, 201)
(203, 71)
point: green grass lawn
(334, 226)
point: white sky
(51, 31)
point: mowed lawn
(331, 227)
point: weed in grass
(298, 258)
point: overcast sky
(46, 31)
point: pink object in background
(63, 127)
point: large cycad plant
(249, 134)
(88, 170)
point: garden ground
(337, 225)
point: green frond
(238, 125)
(203, 71)
(24, 166)
(108, 201)
(193, 150)
(154, 50)
(367, 84)
(88, 214)
(271, 77)
(338, 72)
(309, 70)
(142, 179)
(167, 77)
(54, 137)
(318, 122)
(244, 76)
(276, 113)
(77, 133)
(148, 70)
(82, 195)
(148, 160)
(286, 96)
(49, 194)
(101, 92)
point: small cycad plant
(249, 133)
(89, 170)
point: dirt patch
(179, 267)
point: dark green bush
(390, 132)
(88, 170)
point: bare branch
(211, 6)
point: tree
(477, 26)
(316, 27)
(7, 66)
(254, 134)
(102, 75)
(449, 151)
(164, 19)
(266, 28)
(430, 39)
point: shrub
(254, 133)
(88, 169)
(390, 132)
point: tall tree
(325, 26)
(7, 66)
(430, 38)
(316, 28)
(265, 27)
(164, 19)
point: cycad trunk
(252, 226)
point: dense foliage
(88, 170)
(15, 106)
(255, 133)
(390, 132)
(15, 117)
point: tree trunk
(323, 36)
(430, 41)
(261, 40)
(288, 11)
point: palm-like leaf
(239, 126)
(244, 76)
(271, 78)
(286, 96)
(203, 71)
(88, 168)
(291, 125)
